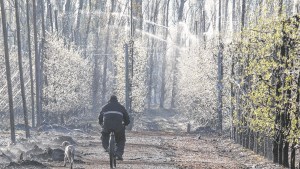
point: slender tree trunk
(49, 12)
(87, 32)
(30, 63)
(164, 59)
(220, 74)
(293, 156)
(21, 69)
(104, 76)
(138, 12)
(107, 41)
(95, 87)
(79, 6)
(177, 55)
(226, 14)
(275, 150)
(233, 16)
(96, 74)
(37, 66)
(42, 56)
(56, 22)
(280, 148)
(151, 53)
(204, 28)
(66, 18)
(8, 75)
(150, 81)
(276, 141)
(232, 94)
(175, 70)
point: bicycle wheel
(112, 147)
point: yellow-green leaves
(269, 58)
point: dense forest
(232, 65)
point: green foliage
(268, 69)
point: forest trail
(177, 150)
(152, 150)
(158, 140)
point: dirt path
(166, 150)
(144, 148)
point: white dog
(69, 153)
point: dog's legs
(70, 161)
(65, 160)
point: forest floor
(158, 140)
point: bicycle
(112, 150)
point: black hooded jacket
(112, 116)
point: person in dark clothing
(114, 117)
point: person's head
(113, 98)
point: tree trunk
(138, 13)
(42, 56)
(176, 55)
(87, 32)
(286, 154)
(164, 59)
(77, 37)
(49, 13)
(21, 69)
(233, 16)
(96, 101)
(56, 22)
(226, 14)
(95, 86)
(37, 66)
(204, 28)
(220, 75)
(232, 95)
(243, 14)
(30, 63)
(8, 75)
(107, 41)
(293, 156)
(275, 150)
(150, 81)
(280, 148)
(65, 22)
(151, 52)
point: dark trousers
(120, 140)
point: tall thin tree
(8, 76)
(105, 61)
(164, 59)
(30, 63)
(177, 53)
(21, 68)
(220, 73)
(37, 66)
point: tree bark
(164, 59)
(49, 12)
(77, 36)
(220, 74)
(42, 56)
(65, 22)
(21, 69)
(87, 32)
(37, 66)
(107, 41)
(176, 55)
(30, 63)
(8, 75)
